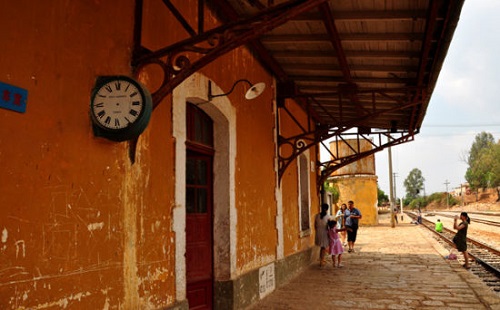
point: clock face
(117, 104)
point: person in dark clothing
(352, 217)
(460, 239)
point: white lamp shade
(255, 91)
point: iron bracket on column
(289, 148)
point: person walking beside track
(460, 239)
(321, 238)
(352, 217)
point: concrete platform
(392, 268)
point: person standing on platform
(339, 217)
(352, 217)
(460, 239)
(321, 238)
(335, 248)
(419, 216)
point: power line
(422, 134)
(461, 125)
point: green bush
(438, 198)
(333, 189)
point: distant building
(463, 189)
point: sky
(465, 102)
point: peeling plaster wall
(83, 228)
(293, 241)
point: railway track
(485, 260)
(475, 219)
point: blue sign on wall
(13, 98)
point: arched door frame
(195, 90)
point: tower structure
(357, 181)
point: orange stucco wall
(81, 226)
(255, 179)
(293, 240)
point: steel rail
(479, 244)
(482, 221)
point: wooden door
(199, 243)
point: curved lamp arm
(252, 88)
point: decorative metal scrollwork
(208, 46)
(290, 148)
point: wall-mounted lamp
(253, 92)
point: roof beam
(340, 79)
(315, 38)
(228, 13)
(352, 54)
(333, 34)
(335, 67)
(370, 15)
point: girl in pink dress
(336, 248)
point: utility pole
(462, 193)
(447, 195)
(391, 194)
(396, 199)
(395, 174)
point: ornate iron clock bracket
(178, 61)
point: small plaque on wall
(13, 97)
(266, 280)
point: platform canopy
(358, 67)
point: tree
(414, 183)
(333, 189)
(482, 141)
(381, 196)
(483, 160)
(487, 167)
(494, 178)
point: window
(199, 126)
(304, 201)
(199, 160)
